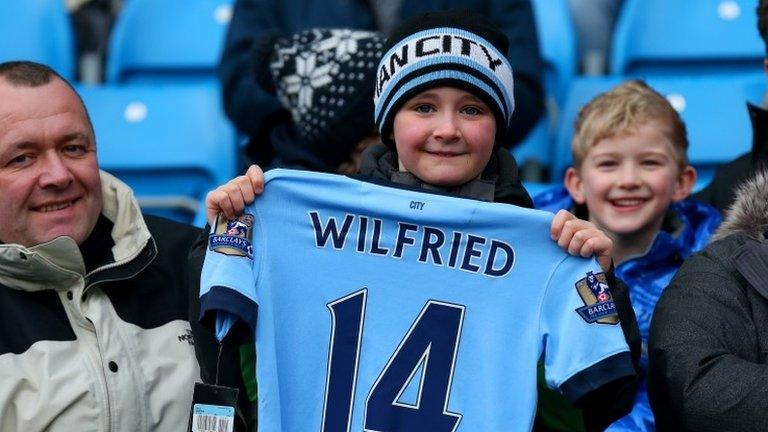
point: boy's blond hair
(622, 110)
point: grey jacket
(709, 334)
(105, 350)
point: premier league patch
(598, 302)
(233, 236)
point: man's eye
(19, 160)
(75, 149)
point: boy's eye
(606, 163)
(472, 110)
(423, 108)
(652, 162)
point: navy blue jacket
(259, 115)
(686, 229)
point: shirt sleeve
(228, 281)
(584, 347)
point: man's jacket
(96, 337)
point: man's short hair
(622, 110)
(23, 73)
(27, 73)
(762, 20)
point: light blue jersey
(385, 309)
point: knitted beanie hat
(456, 48)
(323, 76)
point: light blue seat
(170, 40)
(582, 90)
(40, 31)
(557, 43)
(686, 36)
(712, 107)
(171, 144)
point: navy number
(430, 344)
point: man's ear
(685, 182)
(575, 185)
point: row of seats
(159, 112)
(705, 55)
(158, 119)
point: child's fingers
(235, 191)
(558, 222)
(600, 246)
(256, 178)
(217, 201)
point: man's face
(49, 176)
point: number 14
(432, 340)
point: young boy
(443, 99)
(631, 178)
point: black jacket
(259, 115)
(721, 192)
(500, 182)
(709, 335)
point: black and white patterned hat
(323, 77)
(458, 48)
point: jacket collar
(759, 119)
(499, 181)
(749, 212)
(59, 263)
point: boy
(441, 116)
(631, 178)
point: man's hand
(580, 237)
(232, 197)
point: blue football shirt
(384, 309)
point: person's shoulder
(167, 231)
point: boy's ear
(574, 184)
(684, 184)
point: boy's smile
(628, 182)
(444, 136)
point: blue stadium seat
(686, 36)
(171, 144)
(712, 107)
(38, 30)
(167, 40)
(557, 42)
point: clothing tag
(213, 408)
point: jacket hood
(749, 212)
(499, 179)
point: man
(94, 333)
(721, 191)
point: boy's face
(628, 181)
(444, 136)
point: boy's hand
(580, 237)
(232, 197)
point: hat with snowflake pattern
(324, 78)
